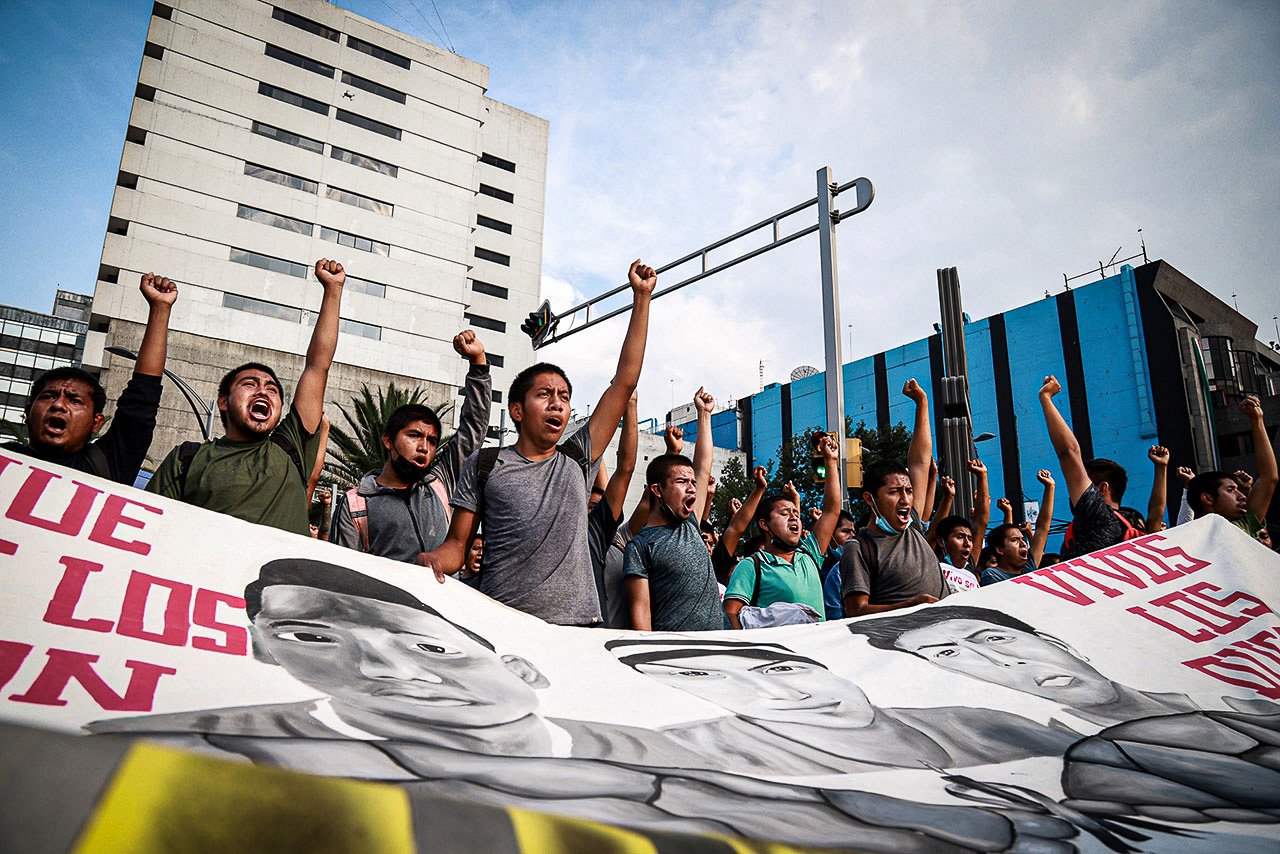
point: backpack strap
(282, 442)
(437, 486)
(755, 592)
(485, 459)
(97, 460)
(575, 453)
(359, 510)
(186, 453)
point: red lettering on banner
(112, 516)
(8, 547)
(11, 657)
(62, 607)
(77, 510)
(1110, 564)
(177, 606)
(205, 614)
(1251, 663)
(64, 665)
(1200, 606)
(1193, 564)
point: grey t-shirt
(904, 567)
(615, 593)
(536, 557)
(683, 596)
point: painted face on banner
(388, 659)
(780, 690)
(1023, 661)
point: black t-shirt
(602, 524)
(722, 563)
(1094, 525)
(123, 448)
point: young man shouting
(1220, 493)
(532, 495)
(403, 510)
(258, 472)
(65, 405)
(669, 580)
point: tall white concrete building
(266, 135)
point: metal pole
(827, 189)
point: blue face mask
(884, 525)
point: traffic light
(853, 464)
(539, 324)
(819, 463)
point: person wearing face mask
(666, 568)
(892, 565)
(403, 510)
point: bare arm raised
(1159, 456)
(613, 403)
(1064, 441)
(702, 450)
(309, 398)
(160, 294)
(920, 454)
(1045, 519)
(1264, 485)
(615, 492)
(826, 524)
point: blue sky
(1015, 141)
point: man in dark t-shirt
(65, 406)
(604, 513)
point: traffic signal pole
(545, 327)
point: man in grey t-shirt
(533, 500)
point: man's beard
(407, 471)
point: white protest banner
(1124, 701)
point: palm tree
(357, 449)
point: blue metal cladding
(766, 424)
(860, 391)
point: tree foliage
(356, 449)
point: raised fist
(976, 466)
(468, 346)
(1003, 505)
(1244, 480)
(1159, 455)
(674, 437)
(330, 273)
(815, 513)
(157, 290)
(1185, 475)
(711, 486)
(792, 494)
(642, 278)
(734, 506)
(703, 401)
(1251, 406)
(912, 390)
(1050, 387)
(760, 476)
(948, 485)
(1045, 478)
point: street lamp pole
(203, 411)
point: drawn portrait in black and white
(791, 715)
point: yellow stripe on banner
(537, 833)
(758, 846)
(162, 800)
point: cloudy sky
(1015, 141)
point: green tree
(357, 448)
(734, 482)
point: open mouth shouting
(260, 410)
(55, 425)
(555, 423)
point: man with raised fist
(65, 406)
(258, 471)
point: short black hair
(524, 381)
(224, 385)
(950, 523)
(707, 527)
(660, 468)
(405, 415)
(883, 632)
(1109, 472)
(765, 507)
(319, 575)
(687, 647)
(68, 372)
(878, 473)
(1207, 483)
(995, 537)
(846, 516)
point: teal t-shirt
(780, 581)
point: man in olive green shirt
(258, 472)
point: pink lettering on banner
(1215, 616)
(1112, 570)
(177, 606)
(70, 519)
(73, 515)
(1252, 663)
(11, 657)
(112, 516)
(64, 665)
(62, 607)
(235, 638)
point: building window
(365, 286)
(494, 359)
(364, 330)
(376, 88)
(368, 124)
(288, 138)
(349, 198)
(494, 160)
(502, 195)
(293, 98)
(266, 262)
(495, 257)
(485, 322)
(266, 173)
(258, 306)
(304, 24)
(377, 52)
(363, 161)
(275, 220)
(298, 60)
(495, 224)
(497, 396)
(488, 289)
(364, 244)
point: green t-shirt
(1250, 524)
(255, 481)
(780, 581)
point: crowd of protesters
(540, 525)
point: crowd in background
(540, 525)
